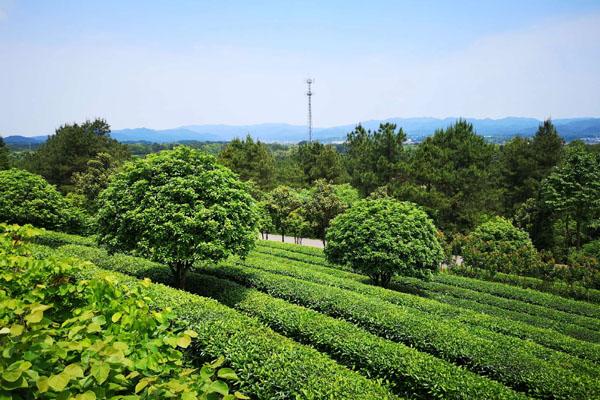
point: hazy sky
(163, 64)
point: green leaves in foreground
(67, 338)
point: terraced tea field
(293, 326)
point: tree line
(544, 186)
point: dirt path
(290, 239)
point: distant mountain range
(496, 130)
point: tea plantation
(291, 325)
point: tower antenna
(309, 93)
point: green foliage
(517, 363)
(297, 225)
(4, 152)
(498, 246)
(322, 205)
(264, 221)
(270, 366)
(592, 249)
(250, 160)
(71, 147)
(453, 175)
(525, 162)
(94, 179)
(27, 198)
(534, 308)
(374, 158)
(572, 190)
(320, 161)
(556, 287)
(178, 207)
(280, 203)
(410, 372)
(86, 339)
(347, 194)
(321, 274)
(384, 237)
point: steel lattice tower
(309, 93)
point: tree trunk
(578, 233)
(282, 237)
(180, 272)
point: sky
(164, 64)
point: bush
(592, 249)
(384, 237)
(26, 198)
(178, 207)
(87, 339)
(498, 246)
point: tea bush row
(268, 365)
(508, 360)
(545, 337)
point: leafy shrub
(89, 339)
(497, 245)
(383, 237)
(178, 207)
(592, 249)
(27, 198)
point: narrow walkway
(290, 239)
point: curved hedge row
(498, 289)
(558, 288)
(530, 301)
(524, 295)
(508, 360)
(574, 331)
(469, 299)
(268, 364)
(410, 371)
(55, 239)
(346, 280)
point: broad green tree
(26, 198)
(280, 203)
(322, 205)
(498, 246)
(94, 179)
(297, 225)
(70, 148)
(383, 237)
(572, 190)
(251, 160)
(179, 207)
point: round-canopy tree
(178, 207)
(26, 198)
(498, 246)
(383, 237)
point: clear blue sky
(171, 63)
